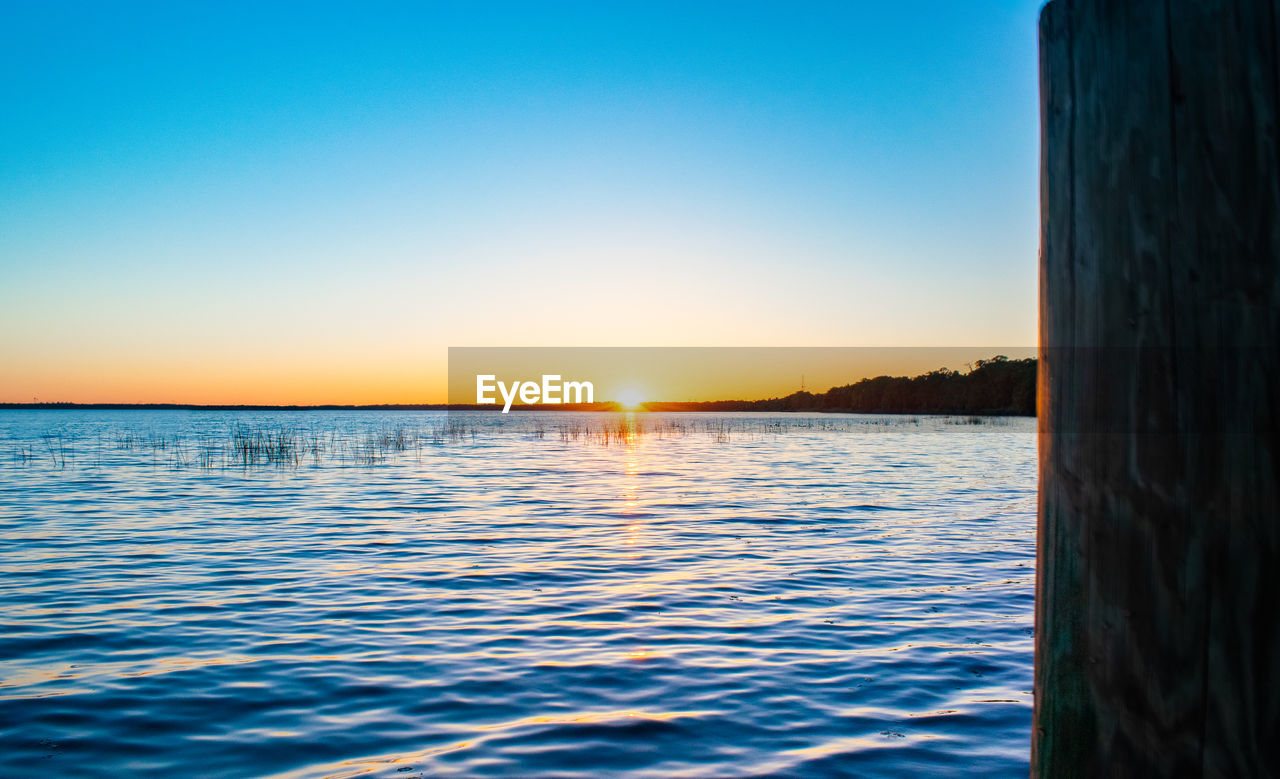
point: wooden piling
(1157, 631)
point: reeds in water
(244, 446)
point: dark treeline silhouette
(995, 386)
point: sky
(310, 203)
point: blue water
(420, 594)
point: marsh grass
(265, 446)
(275, 445)
(57, 448)
(627, 428)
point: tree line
(995, 386)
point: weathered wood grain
(1158, 638)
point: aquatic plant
(253, 445)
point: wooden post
(1157, 630)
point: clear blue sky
(225, 202)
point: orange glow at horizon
(214, 382)
(382, 373)
(631, 399)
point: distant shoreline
(995, 387)
(320, 407)
(711, 406)
(220, 407)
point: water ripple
(730, 596)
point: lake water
(421, 594)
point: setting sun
(630, 398)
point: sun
(630, 399)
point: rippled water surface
(414, 593)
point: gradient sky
(309, 203)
